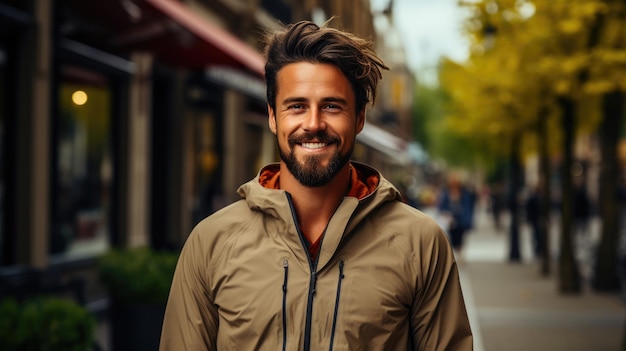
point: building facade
(124, 123)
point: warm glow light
(79, 97)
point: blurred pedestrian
(582, 209)
(532, 208)
(473, 199)
(497, 204)
(320, 252)
(456, 208)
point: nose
(314, 120)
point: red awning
(213, 44)
(172, 31)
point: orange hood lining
(361, 183)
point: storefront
(120, 126)
(195, 150)
(126, 125)
(201, 154)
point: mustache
(318, 137)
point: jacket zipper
(286, 268)
(312, 281)
(339, 281)
(309, 312)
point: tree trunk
(569, 276)
(514, 248)
(606, 276)
(545, 192)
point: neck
(314, 206)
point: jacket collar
(369, 190)
(363, 179)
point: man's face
(315, 121)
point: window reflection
(83, 164)
(207, 194)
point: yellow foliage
(610, 57)
(592, 8)
(573, 64)
(571, 26)
(597, 87)
(533, 60)
(562, 87)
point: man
(320, 253)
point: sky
(429, 29)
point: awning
(213, 45)
(385, 142)
(173, 32)
(234, 79)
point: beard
(311, 172)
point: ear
(271, 119)
(360, 121)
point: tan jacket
(385, 279)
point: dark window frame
(119, 72)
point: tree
(533, 63)
(494, 94)
(607, 75)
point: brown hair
(305, 41)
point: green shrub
(137, 275)
(45, 324)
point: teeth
(313, 145)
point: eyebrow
(292, 100)
(326, 99)
(335, 99)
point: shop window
(83, 166)
(207, 187)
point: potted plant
(45, 323)
(138, 282)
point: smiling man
(316, 112)
(320, 253)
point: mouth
(312, 142)
(314, 145)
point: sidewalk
(512, 307)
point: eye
(332, 107)
(296, 107)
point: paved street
(512, 307)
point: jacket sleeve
(439, 319)
(191, 318)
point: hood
(369, 190)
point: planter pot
(136, 326)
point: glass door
(83, 163)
